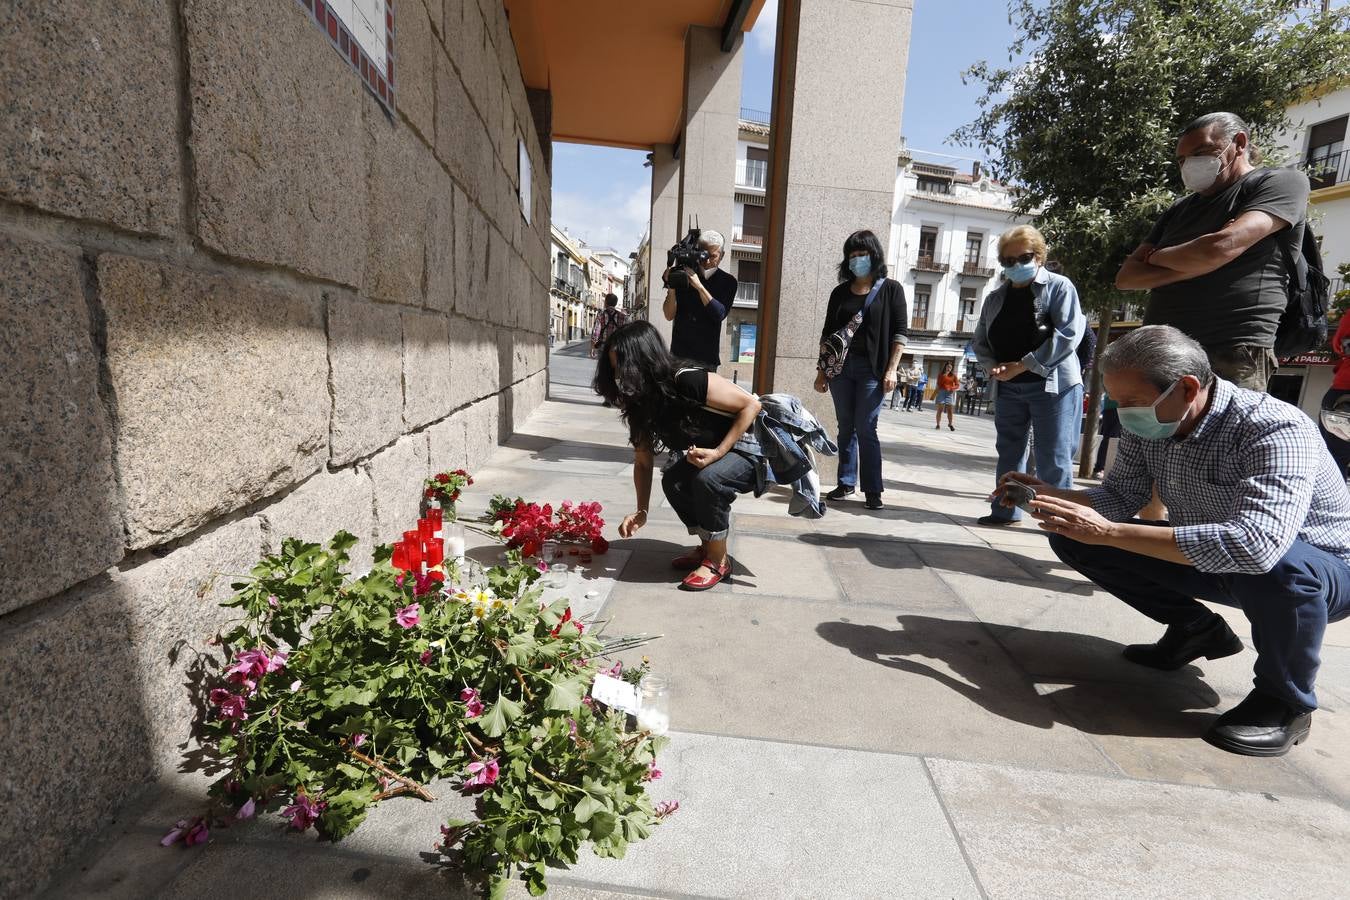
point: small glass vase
(654, 711)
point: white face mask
(1199, 173)
(707, 273)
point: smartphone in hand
(1015, 493)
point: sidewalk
(897, 704)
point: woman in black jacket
(870, 366)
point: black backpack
(1087, 351)
(1303, 325)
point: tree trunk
(1086, 456)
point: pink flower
(246, 811)
(407, 617)
(572, 729)
(615, 670)
(174, 834)
(304, 812)
(295, 685)
(398, 579)
(542, 566)
(190, 831)
(230, 706)
(482, 774)
(425, 657)
(653, 773)
(667, 808)
(473, 704)
(251, 665)
(424, 584)
(358, 740)
(272, 600)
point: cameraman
(699, 307)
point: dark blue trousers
(1288, 607)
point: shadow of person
(1100, 692)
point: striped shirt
(1253, 477)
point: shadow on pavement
(1175, 706)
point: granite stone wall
(239, 300)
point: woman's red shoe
(689, 561)
(696, 582)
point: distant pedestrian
(946, 395)
(901, 388)
(1027, 338)
(1340, 387)
(869, 309)
(610, 320)
(916, 391)
(1110, 431)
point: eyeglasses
(1015, 260)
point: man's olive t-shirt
(1241, 302)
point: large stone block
(471, 259)
(222, 392)
(321, 507)
(440, 243)
(426, 368)
(476, 57)
(522, 354)
(112, 704)
(278, 160)
(474, 367)
(448, 444)
(416, 49)
(398, 474)
(482, 426)
(460, 139)
(90, 127)
(58, 500)
(527, 396)
(404, 177)
(498, 288)
(365, 353)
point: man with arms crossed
(1260, 520)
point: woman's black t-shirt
(708, 428)
(1015, 331)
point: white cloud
(765, 31)
(613, 220)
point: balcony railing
(929, 262)
(738, 236)
(758, 116)
(747, 292)
(1328, 169)
(752, 173)
(976, 270)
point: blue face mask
(1143, 420)
(1020, 273)
(860, 266)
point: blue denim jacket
(1057, 304)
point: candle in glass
(414, 542)
(454, 541)
(654, 711)
(433, 552)
(400, 557)
(426, 529)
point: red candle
(425, 529)
(433, 552)
(400, 557)
(414, 542)
(435, 514)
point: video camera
(685, 253)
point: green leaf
(565, 696)
(586, 807)
(493, 722)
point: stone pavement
(898, 704)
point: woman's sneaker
(840, 492)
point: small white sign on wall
(526, 177)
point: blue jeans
(702, 498)
(857, 396)
(1057, 421)
(1289, 606)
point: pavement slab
(1053, 834)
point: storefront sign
(363, 32)
(745, 343)
(1315, 358)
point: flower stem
(410, 785)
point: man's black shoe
(1261, 725)
(840, 492)
(994, 521)
(873, 501)
(1180, 645)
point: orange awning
(615, 67)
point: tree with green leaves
(1086, 128)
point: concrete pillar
(831, 170)
(712, 110)
(665, 229)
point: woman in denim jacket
(1027, 338)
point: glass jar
(557, 575)
(654, 710)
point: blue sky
(602, 195)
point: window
(1326, 153)
(928, 235)
(934, 185)
(974, 247)
(923, 295)
(965, 316)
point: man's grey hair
(1161, 354)
(1230, 125)
(711, 238)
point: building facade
(745, 251)
(1316, 142)
(571, 299)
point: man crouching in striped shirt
(1259, 520)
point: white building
(945, 226)
(745, 254)
(1316, 142)
(570, 295)
(615, 269)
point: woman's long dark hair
(642, 386)
(863, 240)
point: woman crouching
(668, 405)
